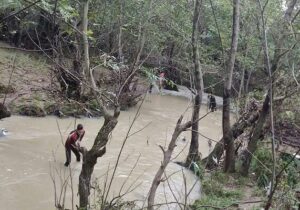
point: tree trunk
(87, 72)
(227, 133)
(120, 52)
(245, 121)
(85, 180)
(90, 157)
(257, 132)
(198, 79)
(4, 112)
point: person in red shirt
(72, 143)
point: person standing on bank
(212, 106)
(73, 143)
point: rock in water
(3, 132)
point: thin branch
(173, 194)
(15, 13)
(22, 49)
(122, 147)
(268, 65)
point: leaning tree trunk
(90, 157)
(198, 80)
(257, 132)
(246, 120)
(227, 132)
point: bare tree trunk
(198, 79)
(86, 57)
(90, 157)
(227, 132)
(4, 112)
(242, 84)
(120, 52)
(167, 156)
(270, 94)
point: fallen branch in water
(166, 159)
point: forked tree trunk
(198, 80)
(90, 157)
(227, 132)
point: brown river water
(33, 148)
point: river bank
(29, 88)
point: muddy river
(33, 148)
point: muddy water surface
(34, 147)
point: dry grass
(30, 78)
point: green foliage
(219, 189)
(216, 195)
(262, 172)
(7, 4)
(284, 197)
(212, 201)
(292, 171)
(220, 177)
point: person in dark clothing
(73, 143)
(150, 88)
(212, 103)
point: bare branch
(15, 13)
(10, 76)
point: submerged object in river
(3, 132)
